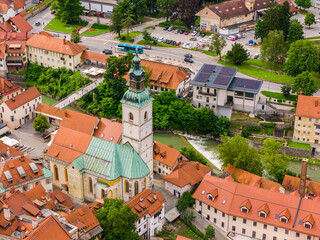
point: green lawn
(208, 52)
(95, 32)
(279, 96)
(259, 73)
(303, 12)
(56, 25)
(265, 64)
(123, 37)
(299, 145)
(50, 101)
(144, 42)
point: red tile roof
(62, 198)
(83, 218)
(15, 50)
(50, 228)
(55, 44)
(182, 238)
(187, 173)
(248, 178)
(99, 57)
(23, 13)
(308, 106)
(22, 98)
(51, 111)
(4, 6)
(13, 151)
(7, 27)
(18, 4)
(230, 9)
(262, 4)
(21, 23)
(292, 183)
(7, 87)
(146, 202)
(6, 36)
(109, 130)
(166, 154)
(232, 194)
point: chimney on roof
(155, 196)
(8, 152)
(303, 177)
(64, 40)
(12, 189)
(316, 104)
(197, 166)
(141, 199)
(6, 212)
(23, 231)
(170, 145)
(180, 164)
(34, 222)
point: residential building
(8, 90)
(230, 17)
(315, 3)
(251, 179)
(19, 109)
(87, 224)
(219, 89)
(186, 177)
(20, 173)
(256, 212)
(20, 24)
(10, 8)
(99, 7)
(306, 122)
(150, 208)
(165, 158)
(54, 52)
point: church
(88, 166)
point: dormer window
(212, 194)
(245, 206)
(244, 210)
(262, 214)
(283, 219)
(284, 216)
(210, 197)
(308, 221)
(307, 225)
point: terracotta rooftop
(55, 44)
(166, 154)
(182, 238)
(50, 228)
(248, 178)
(6, 36)
(23, 13)
(93, 56)
(230, 9)
(21, 23)
(83, 218)
(292, 184)
(10, 49)
(50, 111)
(186, 173)
(146, 202)
(4, 6)
(17, 4)
(109, 130)
(233, 194)
(62, 198)
(308, 106)
(2, 50)
(12, 151)
(262, 4)
(7, 87)
(7, 27)
(22, 98)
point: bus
(130, 48)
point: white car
(161, 39)
(203, 40)
(194, 33)
(211, 36)
(186, 45)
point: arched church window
(126, 186)
(136, 187)
(145, 115)
(90, 185)
(131, 116)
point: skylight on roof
(8, 176)
(203, 191)
(240, 6)
(224, 202)
(233, 8)
(220, 12)
(217, 7)
(264, 3)
(227, 10)
(34, 168)
(21, 171)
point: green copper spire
(137, 95)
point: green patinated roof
(137, 99)
(2, 189)
(46, 172)
(110, 161)
(103, 184)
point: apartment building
(306, 122)
(8, 89)
(255, 212)
(219, 89)
(54, 52)
(20, 108)
(150, 208)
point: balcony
(228, 104)
(15, 63)
(208, 94)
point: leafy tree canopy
(40, 123)
(273, 47)
(185, 201)
(217, 45)
(75, 36)
(310, 19)
(304, 83)
(238, 54)
(210, 232)
(295, 31)
(68, 11)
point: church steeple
(136, 74)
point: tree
(128, 23)
(68, 11)
(273, 47)
(304, 83)
(238, 54)
(275, 163)
(40, 123)
(303, 3)
(210, 232)
(217, 44)
(187, 11)
(303, 56)
(193, 155)
(286, 89)
(117, 220)
(185, 201)
(116, 21)
(258, 29)
(167, 7)
(295, 31)
(75, 36)
(189, 216)
(147, 36)
(310, 19)
(237, 152)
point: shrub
(268, 125)
(131, 40)
(253, 129)
(245, 133)
(100, 26)
(123, 37)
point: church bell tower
(137, 117)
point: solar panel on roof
(222, 80)
(247, 83)
(208, 68)
(202, 77)
(227, 71)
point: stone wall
(296, 152)
(37, 10)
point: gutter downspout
(295, 218)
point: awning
(172, 215)
(4, 130)
(10, 141)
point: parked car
(198, 34)
(181, 31)
(161, 39)
(147, 47)
(38, 23)
(173, 42)
(220, 37)
(193, 39)
(203, 40)
(202, 35)
(186, 33)
(248, 53)
(178, 43)
(177, 31)
(165, 28)
(170, 29)
(56, 35)
(186, 45)
(53, 12)
(194, 33)
(107, 51)
(188, 55)
(232, 38)
(189, 60)
(256, 56)
(211, 36)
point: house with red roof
(10, 8)
(150, 208)
(257, 213)
(20, 108)
(306, 122)
(185, 177)
(8, 89)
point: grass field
(95, 32)
(265, 64)
(49, 101)
(299, 145)
(132, 35)
(279, 96)
(56, 25)
(260, 73)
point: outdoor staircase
(278, 133)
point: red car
(178, 43)
(53, 12)
(186, 33)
